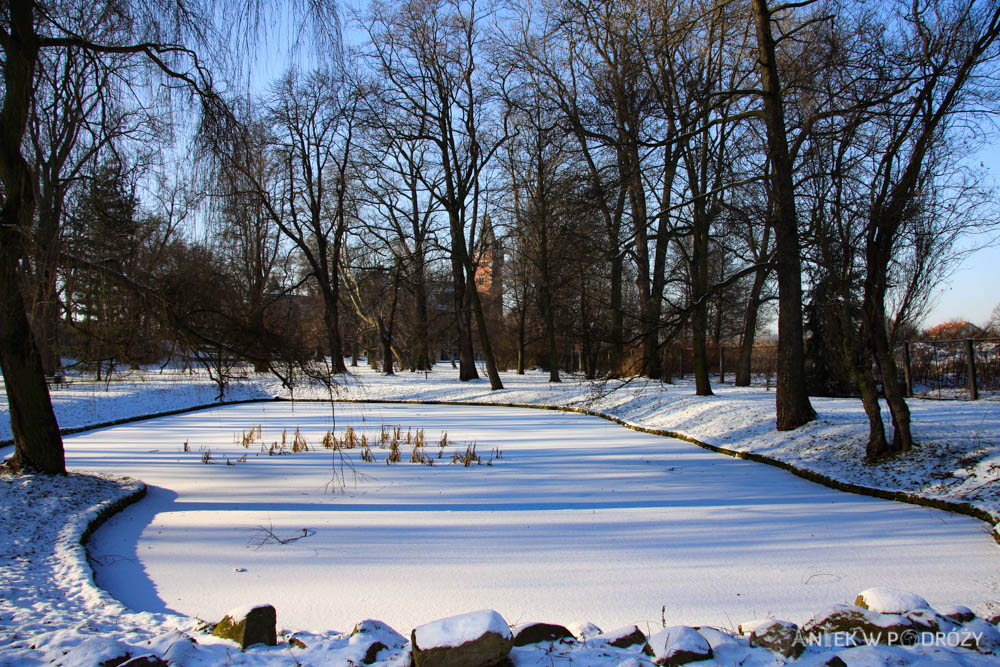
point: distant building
(953, 331)
(489, 264)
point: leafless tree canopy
(612, 189)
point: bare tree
(429, 55)
(153, 33)
(316, 121)
(791, 396)
(248, 239)
(941, 58)
(401, 214)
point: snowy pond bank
(729, 536)
(565, 517)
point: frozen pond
(580, 519)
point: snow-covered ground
(578, 519)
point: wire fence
(967, 368)
(952, 369)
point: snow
(657, 529)
(651, 522)
(460, 629)
(668, 642)
(886, 600)
(952, 436)
(584, 629)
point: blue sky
(974, 289)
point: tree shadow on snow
(113, 553)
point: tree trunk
(744, 365)
(331, 318)
(791, 398)
(545, 297)
(877, 448)
(874, 331)
(45, 306)
(549, 321)
(521, 335)
(421, 352)
(699, 291)
(484, 335)
(463, 322)
(617, 313)
(385, 336)
(702, 384)
(37, 442)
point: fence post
(722, 365)
(970, 352)
(907, 372)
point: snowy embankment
(957, 459)
(51, 611)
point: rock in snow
(890, 600)
(679, 645)
(585, 630)
(372, 637)
(956, 612)
(778, 636)
(534, 633)
(478, 638)
(377, 630)
(630, 635)
(249, 625)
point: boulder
(890, 600)
(979, 635)
(249, 625)
(679, 645)
(369, 638)
(534, 633)
(379, 631)
(957, 613)
(372, 651)
(777, 636)
(476, 639)
(863, 625)
(630, 635)
(925, 620)
(585, 630)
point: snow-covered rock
(679, 645)
(778, 636)
(369, 638)
(534, 633)
(890, 600)
(584, 630)
(629, 635)
(957, 613)
(475, 638)
(378, 631)
(249, 625)
(979, 635)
